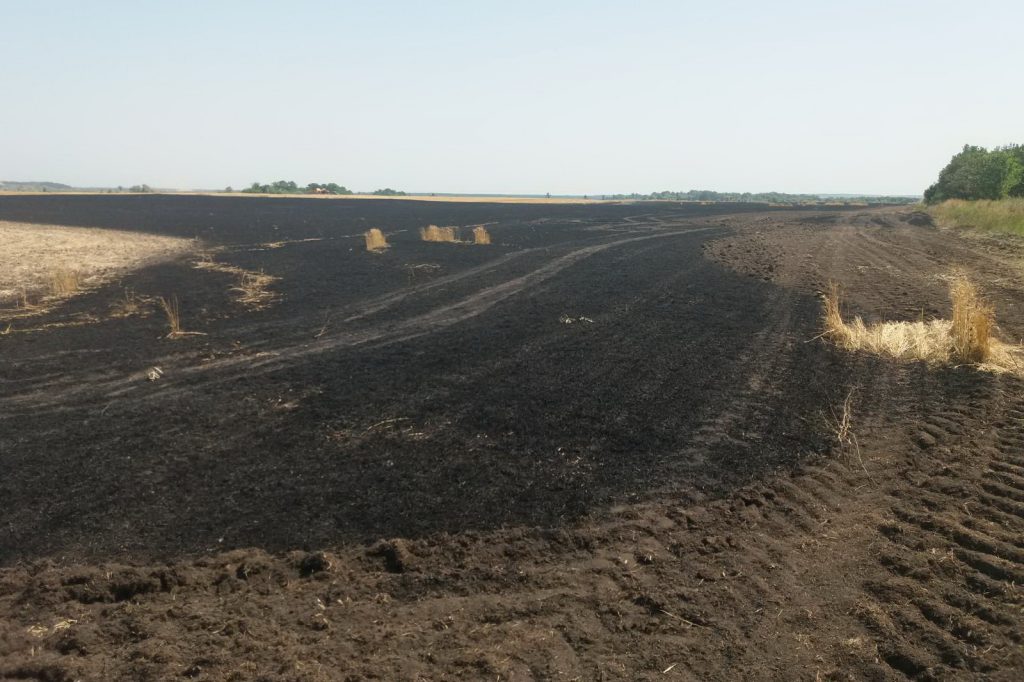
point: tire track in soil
(946, 602)
(947, 606)
(75, 389)
(953, 576)
(955, 552)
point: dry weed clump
(129, 304)
(253, 288)
(251, 284)
(433, 233)
(481, 235)
(172, 311)
(375, 240)
(973, 320)
(64, 282)
(842, 427)
(967, 338)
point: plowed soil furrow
(972, 566)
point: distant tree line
(979, 173)
(289, 187)
(761, 197)
(19, 186)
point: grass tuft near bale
(375, 240)
(433, 233)
(481, 235)
(967, 338)
(973, 320)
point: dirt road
(598, 449)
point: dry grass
(967, 338)
(64, 282)
(172, 311)
(433, 233)
(1004, 215)
(49, 261)
(56, 284)
(129, 304)
(842, 426)
(253, 288)
(23, 301)
(375, 240)
(251, 285)
(973, 320)
(481, 235)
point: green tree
(335, 188)
(284, 187)
(977, 173)
(1013, 183)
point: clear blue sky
(507, 97)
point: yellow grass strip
(1003, 215)
(967, 338)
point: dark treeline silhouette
(289, 187)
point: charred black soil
(599, 448)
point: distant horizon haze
(573, 98)
(421, 193)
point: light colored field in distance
(31, 254)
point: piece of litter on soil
(63, 624)
(154, 373)
(38, 630)
(668, 669)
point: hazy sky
(507, 97)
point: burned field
(605, 445)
